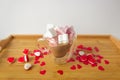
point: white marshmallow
(27, 66)
(81, 53)
(60, 39)
(37, 53)
(65, 38)
(49, 26)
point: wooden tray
(14, 45)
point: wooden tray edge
(5, 42)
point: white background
(87, 16)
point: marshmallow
(37, 53)
(59, 39)
(63, 38)
(26, 59)
(81, 53)
(49, 26)
(27, 66)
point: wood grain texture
(15, 71)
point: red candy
(11, 59)
(21, 59)
(60, 72)
(42, 64)
(106, 61)
(36, 62)
(43, 72)
(101, 68)
(89, 49)
(73, 67)
(80, 46)
(83, 58)
(96, 49)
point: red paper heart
(91, 59)
(99, 56)
(73, 67)
(83, 58)
(32, 54)
(11, 59)
(42, 72)
(42, 64)
(98, 60)
(21, 59)
(80, 46)
(101, 68)
(60, 72)
(89, 49)
(36, 62)
(94, 65)
(26, 51)
(106, 61)
(71, 60)
(79, 66)
(96, 49)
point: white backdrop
(87, 16)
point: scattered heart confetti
(73, 67)
(106, 61)
(36, 62)
(71, 60)
(21, 59)
(26, 51)
(11, 59)
(79, 66)
(98, 60)
(80, 46)
(94, 65)
(96, 49)
(60, 72)
(101, 68)
(83, 58)
(43, 72)
(89, 49)
(32, 54)
(42, 63)
(99, 56)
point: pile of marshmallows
(59, 35)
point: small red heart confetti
(106, 61)
(86, 62)
(42, 63)
(43, 72)
(91, 59)
(73, 67)
(83, 58)
(60, 72)
(37, 58)
(26, 51)
(79, 66)
(94, 65)
(71, 60)
(101, 68)
(96, 49)
(21, 59)
(36, 62)
(99, 56)
(98, 60)
(89, 49)
(80, 46)
(32, 54)
(11, 59)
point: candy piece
(96, 49)
(60, 39)
(21, 59)
(89, 49)
(73, 67)
(101, 68)
(106, 61)
(60, 72)
(79, 66)
(27, 66)
(43, 72)
(37, 53)
(31, 54)
(26, 51)
(86, 62)
(26, 58)
(42, 64)
(11, 59)
(63, 38)
(81, 53)
(71, 60)
(99, 56)
(98, 60)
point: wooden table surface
(107, 45)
